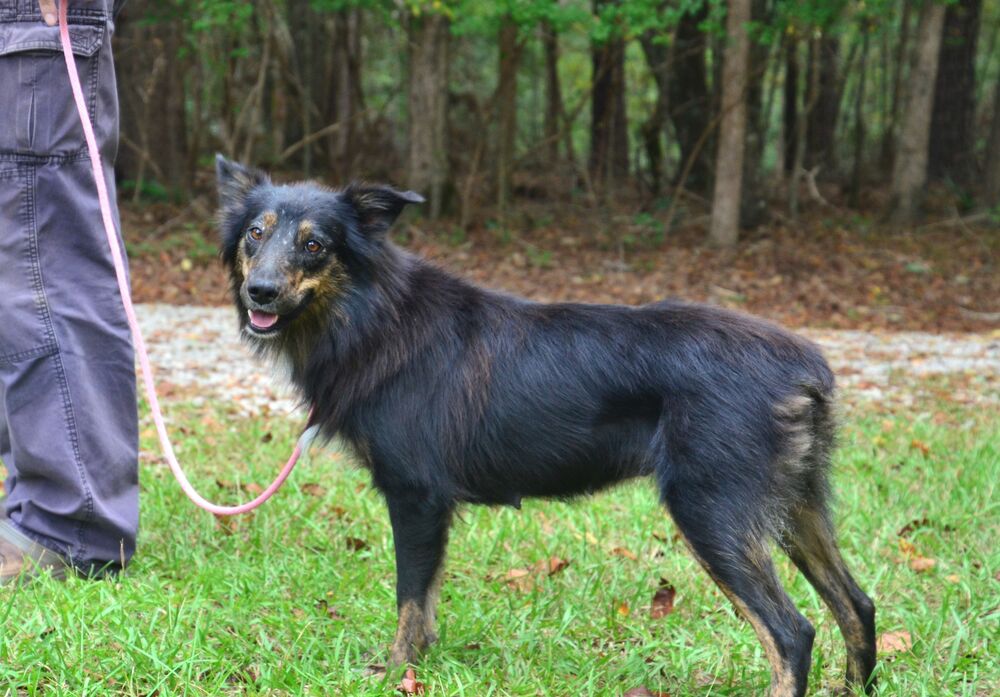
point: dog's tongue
(262, 320)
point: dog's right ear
(235, 181)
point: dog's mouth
(263, 322)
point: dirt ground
(838, 271)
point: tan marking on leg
(431, 603)
(816, 549)
(411, 638)
(782, 675)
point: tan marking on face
(305, 232)
(329, 283)
(269, 219)
(242, 262)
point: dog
(449, 394)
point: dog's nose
(262, 292)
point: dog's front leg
(420, 533)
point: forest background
(827, 162)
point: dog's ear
(378, 206)
(235, 181)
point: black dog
(450, 393)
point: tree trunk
(790, 115)
(992, 197)
(509, 58)
(347, 98)
(902, 48)
(724, 229)
(753, 205)
(951, 153)
(154, 127)
(859, 121)
(822, 118)
(658, 60)
(910, 169)
(428, 95)
(609, 121)
(553, 91)
(688, 98)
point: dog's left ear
(235, 181)
(378, 206)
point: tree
(609, 121)
(993, 155)
(951, 154)
(346, 100)
(724, 230)
(553, 90)
(509, 59)
(688, 98)
(910, 169)
(824, 96)
(154, 124)
(429, 35)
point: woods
(763, 107)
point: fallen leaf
(894, 642)
(907, 548)
(913, 525)
(253, 488)
(355, 544)
(329, 610)
(409, 685)
(921, 446)
(624, 610)
(267, 437)
(519, 578)
(663, 601)
(921, 564)
(551, 566)
(953, 578)
(230, 524)
(314, 489)
(623, 552)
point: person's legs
(68, 426)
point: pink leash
(123, 289)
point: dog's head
(293, 251)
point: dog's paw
(402, 654)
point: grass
(299, 598)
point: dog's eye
(313, 247)
(255, 234)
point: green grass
(283, 604)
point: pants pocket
(37, 105)
(24, 328)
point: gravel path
(197, 356)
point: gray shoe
(22, 559)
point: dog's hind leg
(736, 554)
(420, 534)
(811, 545)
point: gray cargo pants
(68, 425)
